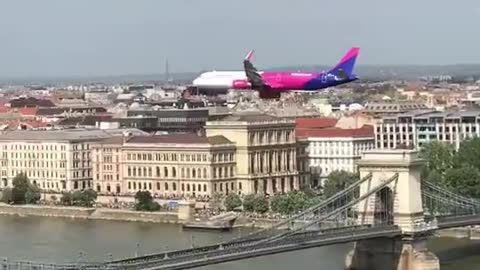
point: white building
(419, 127)
(333, 149)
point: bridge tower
(400, 204)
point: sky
(120, 37)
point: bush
(145, 202)
(83, 198)
(232, 201)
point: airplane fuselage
(279, 81)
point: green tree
(67, 199)
(279, 203)
(20, 188)
(337, 181)
(249, 203)
(439, 157)
(464, 180)
(297, 201)
(216, 202)
(468, 153)
(32, 196)
(7, 196)
(260, 204)
(232, 201)
(145, 202)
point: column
(269, 186)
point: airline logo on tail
(344, 69)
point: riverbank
(89, 213)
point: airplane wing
(254, 78)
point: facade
(173, 165)
(417, 128)
(173, 119)
(265, 151)
(379, 109)
(55, 160)
(333, 149)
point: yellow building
(173, 165)
(265, 151)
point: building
(329, 148)
(335, 150)
(170, 119)
(379, 109)
(172, 166)
(419, 127)
(56, 160)
(265, 151)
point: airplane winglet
(249, 55)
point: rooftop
(363, 132)
(174, 138)
(65, 134)
(319, 122)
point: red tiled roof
(320, 122)
(28, 111)
(4, 109)
(365, 131)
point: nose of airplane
(196, 81)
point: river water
(68, 240)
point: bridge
(389, 213)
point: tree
(67, 199)
(337, 181)
(439, 158)
(468, 153)
(216, 202)
(20, 188)
(145, 202)
(260, 204)
(249, 203)
(464, 180)
(32, 196)
(279, 204)
(7, 195)
(232, 201)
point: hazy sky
(113, 37)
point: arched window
(205, 173)
(158, 171)
(174, 172)
(165, 171)
(194, 173)
(199, 173)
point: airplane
(271, 84)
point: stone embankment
(88, 213)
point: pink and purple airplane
(271, 84)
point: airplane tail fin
(249, 55)
(347, 64)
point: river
(63, 240)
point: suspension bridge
(388, 213)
